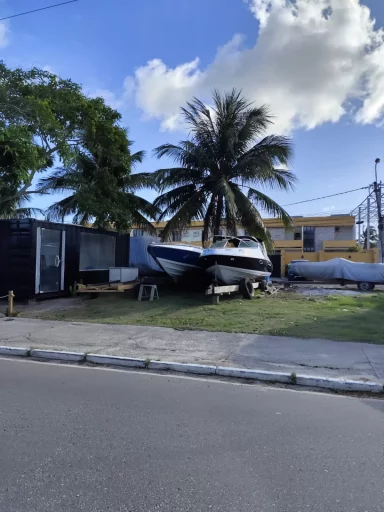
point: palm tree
(18, 209)
(222, 167)
(102, 191)
(373, 238)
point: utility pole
(368, 223)
(359, 228)
(377, 189)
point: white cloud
(4, 33)
(49, 68)
(328, 209)
(110, 98)
(313, 61)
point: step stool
(148, 291)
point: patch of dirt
(324, 292)
(35, 308)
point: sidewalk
(304, 356)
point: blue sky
(311, 66)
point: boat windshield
(221, 243)
(231, 243)
(249, 243)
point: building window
(176, 236)
(309, 239)
(297, 235)
(97, 252)
(138, 232)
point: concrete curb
(339, 384)
(244, 373)
(14, 351)
(130, 362)
(58, 355)
(200, 369)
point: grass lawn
(285, 314)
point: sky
(318, 64)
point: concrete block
(58, 355)
(199, 369)
(14, 351)
(116, 360)
(243, 373)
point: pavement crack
(371, 365)
(294, 363)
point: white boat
(231, 259)
(177, 260)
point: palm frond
(176, 177)
(22, 213)
(192, 209)
(270, 206)
(171, 201)
(136, 203)
(141, 180)
(59, 180)
(248, 216)
(142, 222)
(137, 158)
(258, 163)
(67, 206)
(177, 153)
(256, 121)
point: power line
(36, 10)
(325, 197)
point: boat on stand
(179, 261)
(229, 260)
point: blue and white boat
(179, 261)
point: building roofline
(329, 220)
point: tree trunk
(218, 215)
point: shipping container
(41, 259)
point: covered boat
(366, 274)
(231, 259)
(177, 260)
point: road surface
(95, 440)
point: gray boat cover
(139, 256)
(339, 268)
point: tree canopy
(101, 185)
(46, 120)
(43, 118)
(222, 167)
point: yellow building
(312, 238)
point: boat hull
(231, 269)
(177, 261)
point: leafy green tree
(101, 186)
(51, 115)
(222, 167)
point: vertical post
(381, 220)
(368, 223)
(359, 228)
(10, 303)
(377, 188)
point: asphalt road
(74, 439)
